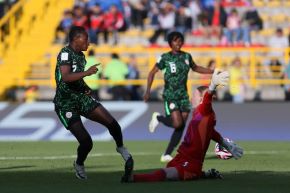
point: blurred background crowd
(250, 38)
(204, 22)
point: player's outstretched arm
(68, 76)
(149, 83)
(219, 78)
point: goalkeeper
(187, 164)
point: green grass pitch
(46, 167)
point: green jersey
(67, 94)
(176, 68)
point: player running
(72, 100)
(176, 65)
(187, 164)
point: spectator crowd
(114, 70)
(217, 19)
(222, 22)
(219, 22)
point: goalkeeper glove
(213, 174)
(233, 148)
(218, 78)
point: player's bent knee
(87, 144)
(114, 124)
(179, 126)
(171, 173)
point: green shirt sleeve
(160, 63)
(64, 58)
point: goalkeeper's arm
(218, 78)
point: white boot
(154, 122)
(80, 171)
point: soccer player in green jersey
(176, 65)
(73, 100)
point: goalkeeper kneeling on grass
(187, 164)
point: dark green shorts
(67, 118)
(70, 111)
(182, 105)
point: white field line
(116, 154)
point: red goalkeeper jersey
(199, 131)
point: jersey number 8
(172, 67)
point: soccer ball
(221, 152)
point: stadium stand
(36, 66)
(27, 31)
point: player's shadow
(63, 180)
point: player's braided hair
(173, 36)
(76, 31)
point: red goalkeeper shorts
(187, 169)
